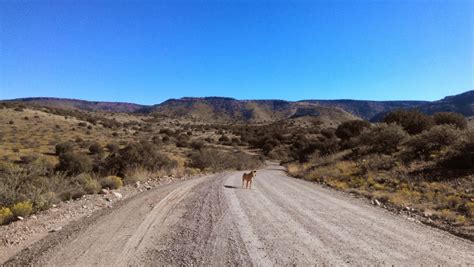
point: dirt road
(212, 221)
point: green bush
(412, 121)
(216, 160)
(88, 184)
(111, 182)
(65, 147)
(328, 133)
(74, 163)
(350, 129)
(22, 209)
(6, 215)
(451, 118)
(423, 145)
(384, 138)
(461, 154)
(138, 155)
(112, 148)
(95, 148)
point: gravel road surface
(212, 221)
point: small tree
(95, 148)
(74, 163)
(65, 147)
(350, 129)
(384, 138)
(450, 118)
(412, 121)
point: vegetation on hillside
(51, 155)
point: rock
(427, 214)
(34, 217)
(104, 191)
(117, 195)
(84, 206)
(20, 218)
(377, 202)
(54, 205)
(137, 184)
(56, 229)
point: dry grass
(452, 202)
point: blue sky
(149, 51)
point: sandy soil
(212, 221)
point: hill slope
(367, 109)
(461, 103)
(229, 110)
(66, 103)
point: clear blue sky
(147, 52)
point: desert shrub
(111, 182)
(6, 215)
(384, 138)
(22, 209)
(22, 182)
(167, 132)
(197, 145)
(165, 139)
(74, 163)
(378, 162)
(182, 141)
(156, 140)
(138, 174)
(412, 121)
(328, 133)
(461, 154)
(224, 138)
(27, 159)
(326, 146)
(451, 118)
(431, 141)
(216, 160)
(11, 122)
(143, 154)
(112, 148)
(87, 182)
(95, 148)
(65, 147)
(350, 129)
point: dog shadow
(231, 187)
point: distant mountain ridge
(367, 109)
(69, 103)
(461, 103)
(227, 110)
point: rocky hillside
(66, 103)
(462, 103)
(367, 109)
(229, 110)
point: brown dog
(248, 177)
